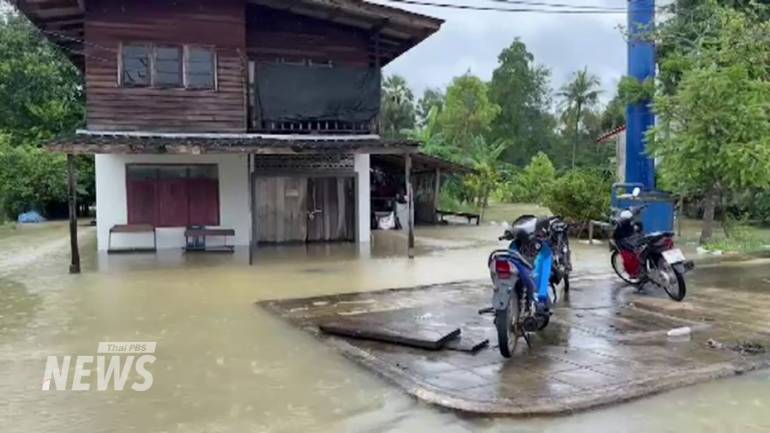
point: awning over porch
(116, 142)
(422, 162)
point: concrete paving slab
(606, 344)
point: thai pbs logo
(109, 369)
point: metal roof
(611, 134)
(115, 142)
(422, 162)
(62, 21)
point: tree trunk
(709, 205)
(577, 129)
(484, 203)
(725, 219)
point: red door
(141, 198)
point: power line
(559, 5)
(574, 11)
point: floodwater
(224, 365)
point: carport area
(606, 344)
(428, 174)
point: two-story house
(253, 115)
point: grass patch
(743, 239)
(510, 211)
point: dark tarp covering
(294, 93)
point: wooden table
(206, 233)
(470, 216)
(132, 229)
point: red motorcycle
(639, 258)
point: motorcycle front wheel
(672, 281)
(508, 324)
(617, 265)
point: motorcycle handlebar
(633, 209)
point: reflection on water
(225, 365)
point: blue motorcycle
(525, 276)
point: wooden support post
(410, 204)
(252, 208)
(378, 70)
(73, 213)
(436, 193)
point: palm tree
(582, 92)
(398, 112)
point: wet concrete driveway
(606, 344)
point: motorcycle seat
(656, 236)
(517, 257)
(525, 227)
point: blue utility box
(659, 214)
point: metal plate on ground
(467, 342)
(426, 336)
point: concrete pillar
(252, 208)
(620, 153)
(641, 65)
(363, 198)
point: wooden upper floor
(302, 66)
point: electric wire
(576, 10)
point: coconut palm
(580, 93)
(398, 112)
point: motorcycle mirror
(636, 191)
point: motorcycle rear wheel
(508, 324)
(617, 265)
(677, 288)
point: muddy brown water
(224, 365)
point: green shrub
(534, 182)
(756, 206)
(761, 207)
(31, 178)
(504, 192)
(580, 195)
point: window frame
(180, 49)
(121, 65)
(214, 67)
(184, 66)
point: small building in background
(617, 138)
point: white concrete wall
(363, 199)
(620, 152)
(111, 206)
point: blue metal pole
(641, 65)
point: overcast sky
(473, 39)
